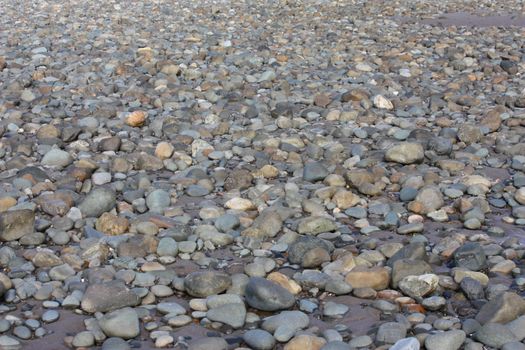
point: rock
(285, 324)
(213, 343)
(164, 150)
(122, 323)
(115, 344)
(332, 309)
(136, 119)
(167, 247)
(405, 153)
(382, 102)
(299, 249)
(428, 199)
(315, 225)
(406, 267)
(108, 296)
(9, 343)
(111, 224)
(238, 203)
(390, 333)
(305, 342)
(16, 224)
(517, 327)
(470, 256)
(406, 344)
(377, 278)
(259, 339)
(50, 316)
(84, 339)
(204, 283)
(97, 202)
(158, 200)
(419, 286)
(502, 309)
(314, 171)
(445, 340)
(494, 335)
(57, 158)
(230, 314)
(238, 179)
(266, 295)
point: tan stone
(111, 224)
(269, 171)
(136, 118)
(164, 150)
(238, 203)
(363, 277)
(6, 203)
(305, 342)
(345, 199)
(285, 282)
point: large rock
(363, 277)
(16, 224)
(495, 335)
(205, 283)
(304, 244)
(470, 256)
(315, 225)
(428, 199)
(231, 314)
(108, 296)
(266, 295)
(405, 153)
(314, 171)
(502, 309)
(97, 202)
(305, 342)
(122, 323)
(451, 340)
(406, 267)
(259, 339)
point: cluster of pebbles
(297, 175)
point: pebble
(252, 157)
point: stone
(390, 333)
(314, 171)
(204, 283)
(16, 224)
(405, 153)
(114, 343)
(419, 286)
(97, 202)
(315, 225)
(377, 278)
(305, 342)
(502, 309)
(452, 340)
(470, 256)
(494, 335)
(108, 296)
(212, 343)
(428, 199)
(517, 327)
(111, 224)
(136, 119)
(266, 295)
(84, 339)
(233, 314)
(259, 339)
(406, 344)
(122, 323)
(57, 158)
